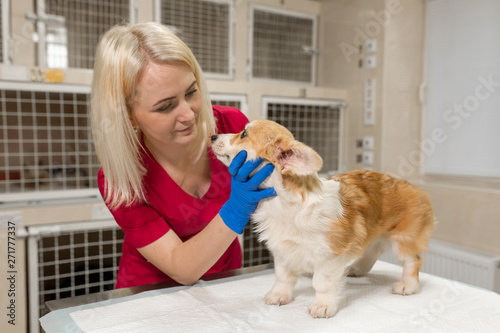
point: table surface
(233, 301)
(117, 293)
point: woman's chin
(186, 137)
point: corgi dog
(329, 228)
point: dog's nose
(214, 137)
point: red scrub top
(169, 207)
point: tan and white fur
(317, 226)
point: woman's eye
(192, 92)
(164, 108)
(243, 134)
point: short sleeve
(229, 119)
(141, 223)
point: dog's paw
(277, 298)
(406, 287)
(322, 310)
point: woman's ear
(133, 123)
(297, 159)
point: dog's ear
(297, 158)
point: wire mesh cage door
(206, 26)
(68, 31)
(45, 145)
(318, 124)
(71, 259)
(282, 45)
(235, 100)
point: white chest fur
(295, 228)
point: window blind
(462, 118)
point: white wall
(467, 208)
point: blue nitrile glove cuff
(245, 195)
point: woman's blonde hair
(122, 54)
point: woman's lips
(187, 129)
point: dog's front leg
(282, 290)
(328, 281)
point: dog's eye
(243, 134)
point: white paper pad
(238, 306)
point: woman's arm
(186, 262)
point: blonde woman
(152, 120)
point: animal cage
(234, 100)
(318, 124)
(206, 26)
(69, 30)
(71, 259)
(282, 45)
(45, 146)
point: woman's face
(167, 105)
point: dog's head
(272, 142)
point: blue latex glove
(245, 195)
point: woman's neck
(189, 171)
(174, 155)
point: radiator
(459, 264)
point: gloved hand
(245, 195)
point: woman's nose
(185, 112)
